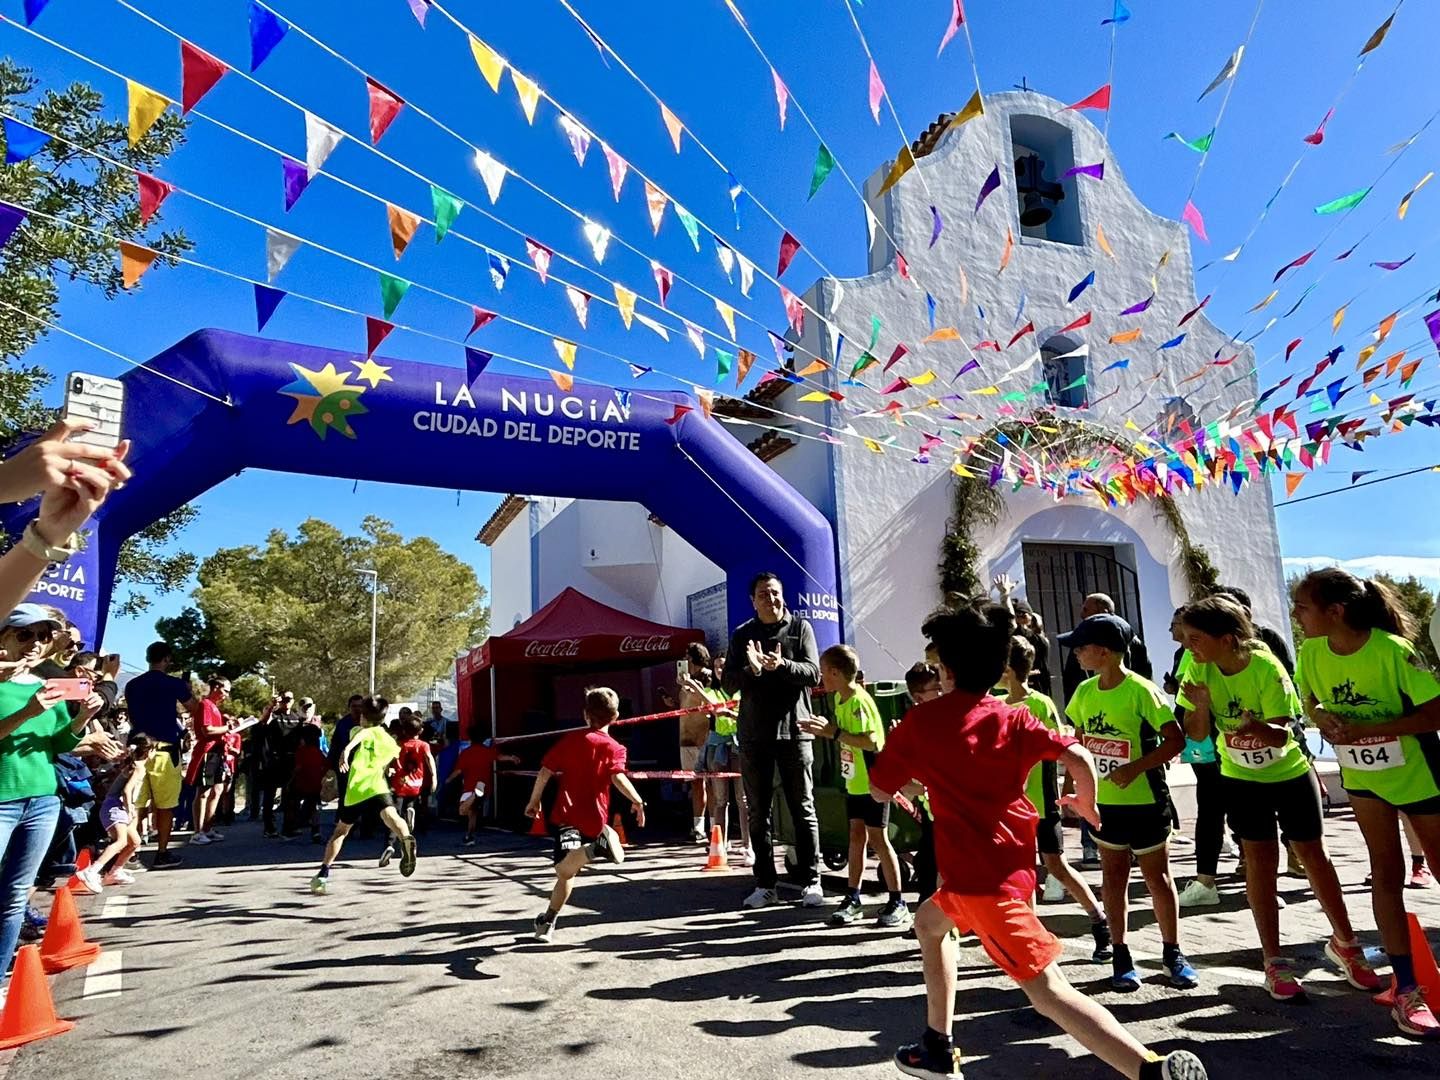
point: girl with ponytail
(1378, 702)
(1236, 690)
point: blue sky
(694, 56)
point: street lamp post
(374, 595)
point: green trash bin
(891, 700)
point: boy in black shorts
(367, 760)
(1126, 724)
(860, 734)
(588, 762)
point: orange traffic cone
(716, 859)
(618, 824)
(1426, 973)
(537, 825)
(29, 1012)
(82, 861)
(64, 945)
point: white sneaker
(89, 880)
(1054, 891)
(1198, 894)
(761, 898)
(119, 876)
(747, 857)
(1230, 849)
(215, 835)
(201, 839)
(812, 896)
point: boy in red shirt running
(973, 754)
(473, 766)
(412, 779)
(588, 762)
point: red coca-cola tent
(531, 673)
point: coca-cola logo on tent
(655, 643)
(568, 647)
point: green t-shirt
(858, 716)
(1262, 691)
(727, 722)
(27, 754)
(1120, 726)
(1383, 680)
(374, 750)
(1044, 710)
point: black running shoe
(1101, 932)
(407, 856)
(918, 1060)
(1182, 1065)
(545, 926)
(165, 860)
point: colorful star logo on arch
(326, 398)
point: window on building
(1042, 151)
(1064, 364)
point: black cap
(1021, 607)
(1111, 631)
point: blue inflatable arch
(299, 409)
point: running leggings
(1209, 817)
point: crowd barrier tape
(670, 774)
(709, 707)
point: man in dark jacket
(773, 663)
(1137, 659)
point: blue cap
(1110, 631)
(29, 615)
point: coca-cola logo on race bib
(568, 647)
(655, 643)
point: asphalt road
(229, 967)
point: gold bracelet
(35, 544)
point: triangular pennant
(680, 411)
(492, 172)
(1378, 36)
(696, 336)
(579, 303)
(145, 107)
(746, 360)
(975, 107)
(747, 274)
(1099, 100)
(199, 72)
(392, 291)
(491, 66)
(690, 224)
(724, 362)
(320, 142)
(1292, 481)
(618, 168)
(528, 91)
(904, 162)
(385, 105)
(376, 331)
(782, 96)
(564, 381)
(446, 208)
(1008, 250)
(279, 247)
(788, 247)
(22, 142)
(476, 361)
(134, 261)
(706, 399)
(566, 351)
(402, 227)
(599, 238)
(295, 180)
(499, 270)
(266, 30)
(482, 318)
(824, 163)
(1191, 216)
(540, 255)
(1231, 66)
(877, 91)
(656, 200)
(625, 302)
(672, 125)
(266, 301)
(794, 310)
(727, 315)
(578, 136)
(1082, 321)
(1102, 241)
(153, 192)
(663, 280)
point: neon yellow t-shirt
(1383, 680)
(727, 722)
(1120, 726)
(1262, 691)
(374, 750)
(1044, 710)
(858, 716)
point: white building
(890, 512)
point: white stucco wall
(510, 575)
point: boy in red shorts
(973, 754)
(588, 762)
(473, 767)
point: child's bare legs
(1075, 885)
(335, 843)
(1088, 1022)
(394, 822)
(879, 839)
(937, 953)
(719, 797)
(1156, 867)
(1115, 888)
(743, 810)
(565, 871)
(119, 849)
(855, 866)
(1262, 861)
(471, 812)
(1377, 821)
(1323, 880)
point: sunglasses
(24, 634)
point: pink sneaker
(1413, 1017)
(1420, 877)
(1281, 983)
(1353, 965)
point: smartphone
(97, 401)
(682, 670)
(72, 689)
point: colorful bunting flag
(1338, 318)
(727, 315)
(295, 180)
(385, 105)
(656, 200)
(794, 310)
(1099, 100)
(991, 183)
(618, 168)
(747, 274)
(1009, 250)
(1126, 337)
(625, 302)
(824, 163)
(1082, 321)
(1194, 311)
(1292, 481)
(936, 225)
(528, 91)
(788, 247)
(33, 8)
(1344, 202)
(279, 247)
(1293, 264)
(1102, 241)
(973, 108)
(566, 351)
(724, 362)
(900, 351)
(1264, 303)
(1096, 171)
(877, 91)
(1085, 283)
(145, 107)
(540, 255)
(199, 72)
(392, 291)
(499, 270)
(690, 224)
(1316, 137)
(782, 96)
(1121, 14)
(1405, 200)
(746, 360)
(476, 361)
(578, 136)
(446, 209)
(1228, 71)
(491, 66)
(1136, 309)
(153, 192)
(482, 318)
(566, 383)
(402, 227)
(815, 367)
(579, 303)
(904, 162)
(492, 172)
(320, 142)
(1394, 265)
(22, 142)
(266, 301)
(1378, 36)
(1173, 342)
(957, 20)
(1028, 328)
(672, 125)
(697, 337)
(1291, 348)
(266, 30)
(1191, 216)
(1199, 144)
(663, 280)
(376, 331)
